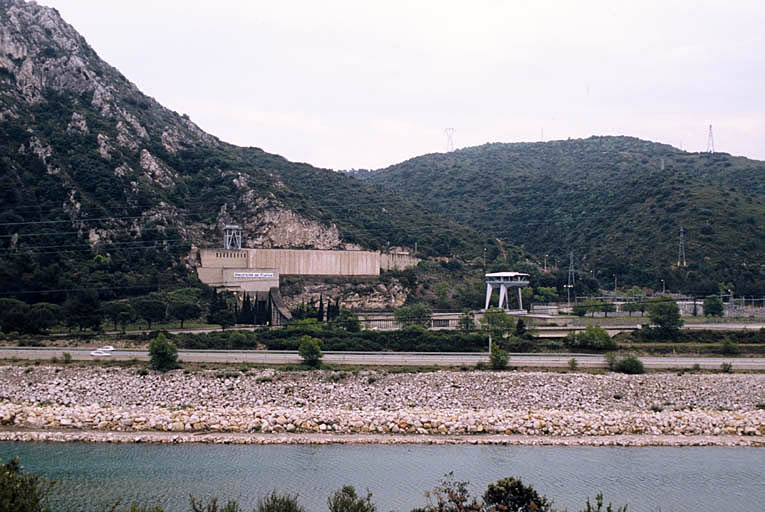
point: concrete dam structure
(251, 270)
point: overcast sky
(366, 84)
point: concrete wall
(296, 262)
(240, 279)
(399, 260)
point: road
(274, 357)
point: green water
(91, 476)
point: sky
(366, 84)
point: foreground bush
(346, 500)
(25, 492)
(163, 353)
(593, 337)
(21, 492)
(310, 350)
(630, 365)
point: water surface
(92, 476)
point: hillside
(611, 201)
(102, 187)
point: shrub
(666, 314)
(729, 348)
(713, 306)
(21, 492)
(599, 506)
(573, 364)
(66, 357)
(309, 349)
(509, 494)
(346, 500)
(279, 503)
(593, 337)
(630, 365)
(498, 357)
(212, 506)
(657, 408)
(726, 368)
(164, 354)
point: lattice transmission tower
(681, 250)
(449, 139)
(571, 276)
(710, 141)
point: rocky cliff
(103, 187)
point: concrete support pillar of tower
(488, 295)
(520, 300)
(502, 295)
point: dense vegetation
(102, 188)
(26, 492)
(617, 203)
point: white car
(100, 353)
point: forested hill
(617, 202)
(102, 187)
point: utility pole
(614, 286)
(710, 141)
(663, 287)
(571, 276)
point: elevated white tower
(503, 281)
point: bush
(498, 357)
(279, 503)
(66, 358)
(713, 306)
(163, 353)
(510, 495)
(309, 349)
(21, 492)
(346, 500)
(630, 365)
(212, 506)
(593, 337)
(726, 368)
(729, 348)
(599, 506)
(573, 364)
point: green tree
(346, 500)
(666, 314)
(713, 306)
(580, 309)
(151, 309)
(348, 320)
(443, 301)
(511, 495)
(279, 503)
(309, 349)
(13, 315)
(219, 311)
(496, 323)
(607, 307)
(118, 312)
(163, 354)
(43, 315)
(593, 337)
(466, 322)
(416, 314)
(20, 491)
(631, 307)
(545, 294)
(83, 309)
(183, 310)
(498, 357)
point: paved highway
(386, 358)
